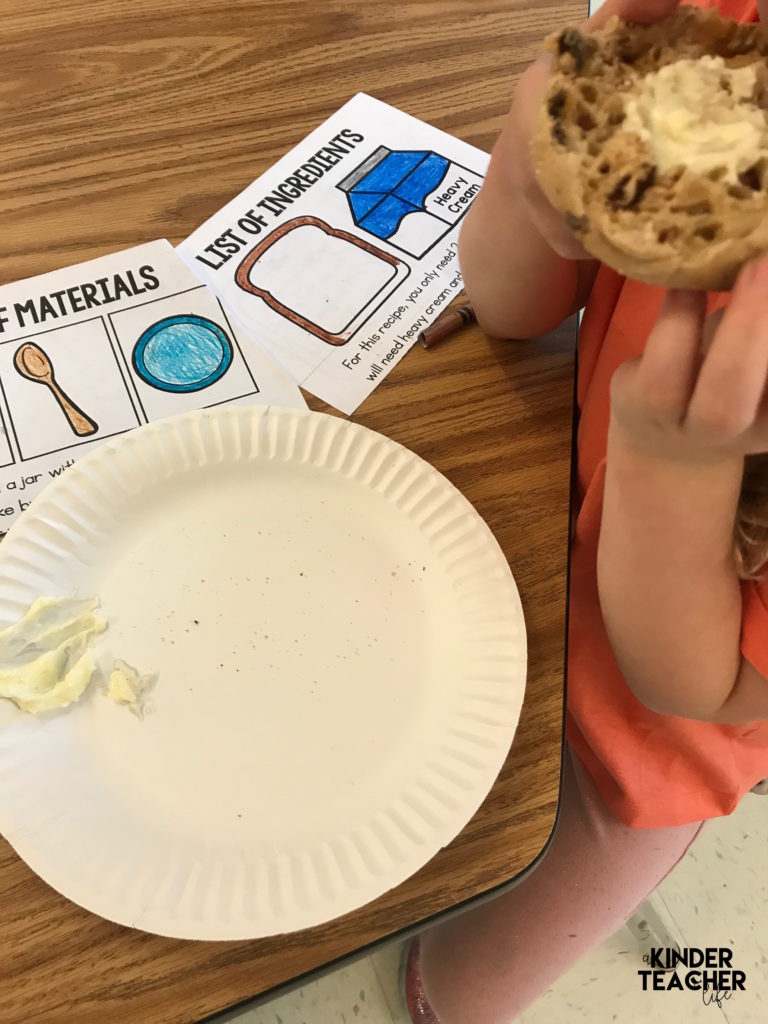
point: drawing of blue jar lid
(182, 353)
(391, 184)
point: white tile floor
(717, 897)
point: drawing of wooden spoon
(35, 365)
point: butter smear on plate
(44, 658)
(45, 661)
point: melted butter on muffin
(699, 114)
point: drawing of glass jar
(322, 279)
(411, 198)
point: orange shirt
(652, 770)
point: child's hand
(515, 140)
(697, 393)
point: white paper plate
(341, 656)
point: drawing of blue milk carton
(409, 198)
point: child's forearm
(669, 592)
(519, 287)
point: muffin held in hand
(653, 143)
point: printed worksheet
(341, 254)
(99, 348)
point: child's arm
(519, 285)
(680, 428)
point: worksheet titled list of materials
(99, 348)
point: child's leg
(487, 965)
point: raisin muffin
(653, 144)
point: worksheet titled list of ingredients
(99, 348)
(344, 251)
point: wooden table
(126, 122)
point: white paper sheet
(99, 348)
(340, 254)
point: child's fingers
(644, 12)
(711, 327)
(666, 371)
(732, 378)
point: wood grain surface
(126, 122)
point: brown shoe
(418, 1005)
